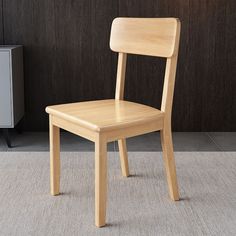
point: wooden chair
(104, 121)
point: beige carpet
(138, 205)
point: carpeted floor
(138, 205)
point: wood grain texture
(204, 88)
(123, 157)
(106, 115)
(54, 137)
(120, 77)
(100, 181)
(67, 57)
(115, 119)
(119, 95)
(132, 35)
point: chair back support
(145, 36)
(151, 37)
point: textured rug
(138, 205)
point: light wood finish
(165, 133)
(123, 157)
(74, 128)
(145, 36)
(169, 161)
(100, 180)
(120, 85)
(105, 115)
(120, 78)
(54, 137)
(104, 121)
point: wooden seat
(106, 115)
(104, 121)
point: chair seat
(101, 115)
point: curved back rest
(151, 37)
(145, 36)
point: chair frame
(102, 138)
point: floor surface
(183, 141)
(137, 206)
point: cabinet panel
(5, 90)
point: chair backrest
(151, 37)
(145, 36)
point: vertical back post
(169, 80)
(120, 87)
(120, 78)
(169, 84)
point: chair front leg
(123, 157)
(169, 161)
(54, 136)
(100, 181)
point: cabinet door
(5, 90)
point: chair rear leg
(123, 157)
(100, 181)
(54, 158)
(169, 161)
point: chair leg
(100, 181)
(168, 155)
(54, 159)
(123, 157)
